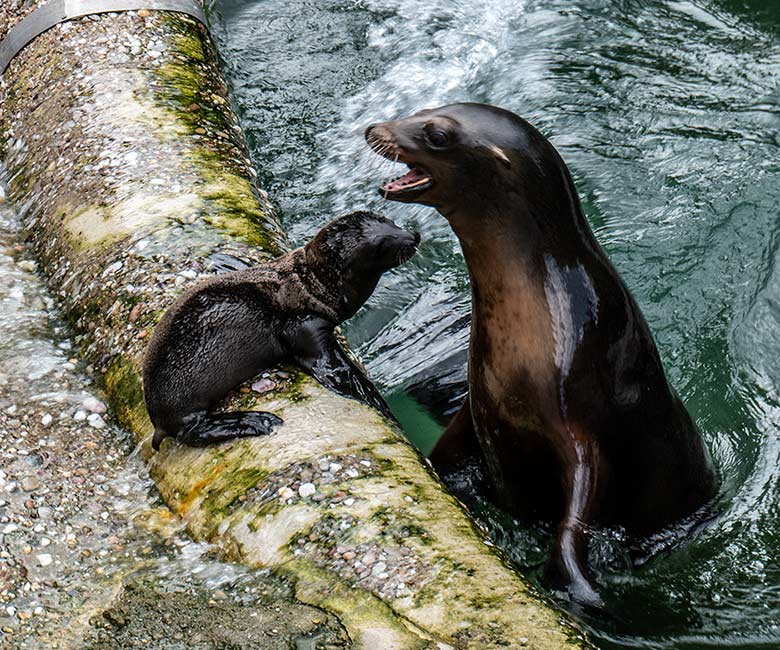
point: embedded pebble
(96, 421)
(135, 312)
(46, 420)
(94, 405)
(263, 386)
(378, 568)
(30, 483)
(44, 559)
(113, 268)
(307, 489)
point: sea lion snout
(409, 242)
(392, 244)
(396, 141)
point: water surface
(668, 114)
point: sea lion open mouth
(416, 180)
(410, 185)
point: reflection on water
(668, 113)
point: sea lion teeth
(414, 178)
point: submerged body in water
(568, 405)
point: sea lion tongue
(413, 179)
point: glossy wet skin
(568, 403)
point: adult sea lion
(228, 328)
(568, 402)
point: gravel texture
(90, 557)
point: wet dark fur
(569, 409)
(228, 328)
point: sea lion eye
(437, 138)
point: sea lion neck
(496, 263)
(337, 290)
(322, 281)
(512, 223)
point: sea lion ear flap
(500, 155)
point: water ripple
(668, 113)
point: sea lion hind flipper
(567, 569)
(316, 349)
(202, 429)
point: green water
(668, 114)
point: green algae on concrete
(335, 500)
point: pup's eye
(437, 138)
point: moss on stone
(122, 384)
(371, 623)
(234, 210)
(234, 484)
(187, 84)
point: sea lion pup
(568, 402)
(228, 328)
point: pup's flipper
(201, 429)
(317, 350)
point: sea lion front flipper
(316, 349)
(458, 444)
(459, 461)
(567, 568)
(201, 429)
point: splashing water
(668, 114)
